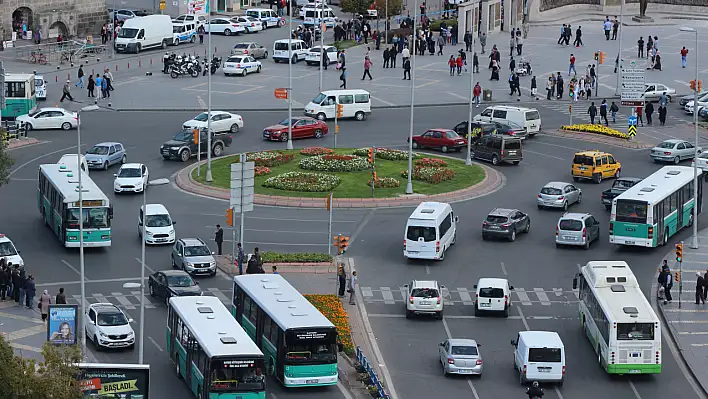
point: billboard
(62, 325)
(198, 7)
(125, 381)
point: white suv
(493, 295)
(108, 327)
(424, 297)
(9, 252)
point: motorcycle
(215, 64)
(184, 65)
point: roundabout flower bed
(435, 162)
(334, 163)
(385, 182)
(385, 153)
(269, 158)
(430, 174)
(301, 181)
(312, 151)
(597, 129)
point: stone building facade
(70, 18)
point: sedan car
(49, 118)
(654, 90)
(223, 26)
(124, 15)
(241, 65)
(168, 283)
(702, 102)
(558, 195)
(106, 325)
(460, 356)
(250, 24)
(444, 139)
(512, 129)
(103, 155)
(313, 56)
(302, 127)
(253, 49)
(685, 99)
(131, 177)
(703, 114)
(221, 121)
(505, 223)
(673, 151)
(193, 256)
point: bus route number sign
(311, 335)
(232, 364)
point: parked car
(168, 283)
(49, 118)
(577, 229)
(131, 177)
(618, 187)
(223, 26)
(313, 56)
(249, 24)
(193, 256)
(107, 326)
(685, 99)
(444, 139)
(506, 223)
(124, 15)
(654, 90)
(221, 121)
(673, 150)
(302, 127)
(241, 65)
(460, 356)
(199, 20)
(558, 195)
(104, 155)
(9, 252)
(702, 163)
(252, 49)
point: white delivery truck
(141, 33)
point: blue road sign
(632, 121)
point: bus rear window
(635, 331)
(416, 232)
(583, 160)
(545, 355)
(631, 211)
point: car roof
(501, 211)
(190, 242)
(107, 144)
(556, 184)
(4, 238)
(425, 284)
(152, 209)
(133, 165)
(53, 109)
(169, 272)
(105, 307)
(546, 338)
(213, 112)
(575, 215)
(675, 141)
(428, 210)
(492, 282)
(462, 342)
(592, 153)
(511, 107)
(440, 129)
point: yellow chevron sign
(632, 131)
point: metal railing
(58, 52)
(12, 130)
(372, 382)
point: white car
(131, 178)
(313, 56)
(249, 24)
(224, 26)
(186, 18)
(107, 327)
(654, 90)
(50, 118)
(701, 104)
(493, 295)
(241, 65)
(424, 297)
(702, 162)
(9, 252)
(221, 121)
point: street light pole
(289, 146)
(619, 50)
(409, 185)
(323, 54)
(694, 237)
(207, 67)
(81, 234)
(468, 159)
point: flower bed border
(598, 138)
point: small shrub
(269, 158)
(432, 175)
(304, 182)
(312, 151)
(433, 162)
(385, 182)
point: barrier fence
(58, 52)
(371, 380)
(12, 130)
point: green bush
(306, 257)
(435, 24)
(344, 44)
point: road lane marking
(38, 158)
(542, 296)
(545, 155)
(427, 269)
(201, 102)
(387, 295)
(523, 319)
(504, 269)
(465, 296)
(523, 296)
(101, 298)
(634, 389)
(146, 266)
(284, 219)
(124, 302)
(383, 101)
(155, 343)
(74, 269)
(366, 292)
(108, 280)
(404, 292)
(217, 293)
(469, 381)
(26, 332)
(148, 304)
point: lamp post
(694, 237)
(207, 67)
(289, 146)
(141, 347)
(323, 54)
(468, 159)
(619, 50)
(409, 185)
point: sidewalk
(23, 328)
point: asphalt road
(408, 346)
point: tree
(52, 378)
(355, 6)
(395, 7)
(6, 160)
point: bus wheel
(666, 236)
(179, 375)
(690, 219)
(599, 357)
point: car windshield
(202, 117)
(98, 150)
(490, 292)
(183, 136)
(464, 350)
(284, 122)
(315, 50)
(129, 172)
(583, 160)
(236, 375)
(666, 144)
(180, 281)
(198, 250)
(425, 293)
(570, 225)
(127, 33)
(252, 14)
(177, 29)
(241, 46)
(111, 319)
(544, 355)
(158, 221)
(7, 249)
(551, 191)
(320, 97)
(33, 113)
(235, 59)
(416, 232)
(635, 331)
(452, 135)
(631, 211)
(38, 82)
(497, 219)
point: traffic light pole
(679, 258)
(329, 229)
(233, 237)
(373, 171)
(336, 125)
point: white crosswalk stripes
(523, 296)
(387, 295)
(542, 296)
(123, 301)
(464, 296)
(136, 294)
(217, 293)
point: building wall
(73, 18)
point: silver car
(558, 195)
(252, 49)
(460, 356)
(654, 91)
(579, 229)
(193, 256)
(103, 155)
(673, 151)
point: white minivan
(141, 33)
(40, 87)
(281, 53)
(70, 160)
(431, 229)
(315, 15)
(539, 356)
(528, 118)
(159, 226)
(492, 295)
(356, 103)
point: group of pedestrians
(16, 284)
(348, 284)
(103, 82)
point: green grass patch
(308, 257)
(344, 44)
(353, 184)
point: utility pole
(207, 64)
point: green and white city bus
(299, 343)
(617, 319)
(656, 208)
(58, 202)
(211, 352)
(20, 95)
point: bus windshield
(237, 375)
(311, 347)
(94, 218)
(635, 331)
(631, 211)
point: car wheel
(506, 311)
(66, 126)
(512, 236)
(477, 312)
(440, 315)
(576, 179)
(124, 159)
(565, 205)
(454, 239)
(318, 133)
(166, 158)
(409, 314)
(283, 137)
(522, 380)
(540, 207)
(495, 160)
(95, 343)
(444, 148)
(360, 116)
(179, 373)
(265, 55)
(234, 128)
(597, 177)
(558, 245)
(415, 145)
(265, 25)
(29, 126)
(516, 162)
(137, 49)
(184, 155)
(580, 198)
(244, 72)
(528, 227)
(618, 173)
(246, 31)
(608, 207)
(677, 160)
(484, 237)
(167, 300)
(176, 42)
(321, 116)
(442, 255)
(666, 236)
(193, 39)
(293, 60)
(152, 290)
(587, 244)
(227, 32)
(258, 70)
(105, 165)
(217, 150)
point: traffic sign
(162, 4)
(242, 179)
(632, 131)
(281, 93)
(632, 120)
(633, 83)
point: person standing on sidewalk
(240, 257)
(476, 93)
(700, 284)
(219, 238)
(342, 280)
(668, 284)
(352, 288)
(22, 283)
(80, 73)
(648, 110)
(640, 120)
(30, 291)
(61, 297)
(607, 26)
(44, 301)
(640, 47)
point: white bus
(211, 352)
(617, 319)
(299, 343)
(58, 203)
(656, 208)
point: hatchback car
(673, 151)
(424, 297)
(131, 177)
(250, 24)
(444, 139)
(460, 356)
(104, 155)
(241, 65)
(505, 223)
(106, 325)
(313, 56)
(577, 229)
(252, 49)
(49, 118)
(221, 121)
(558, 195)
(9, 252)
(193, 256)
(302, 127)
(168, 283)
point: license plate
(630, 228)
(635, 371)
(582, 168)
(568, 238)
(312, 381)
(629, 242)
(544, 370)
(485, 305)
(425, 302)
(465, 371)
(494, 227)
(160, 240)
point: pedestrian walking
(200, 32)
(240, 258)
(30, 291)
(91, 86)
(44, 301)
(407, 69)
(476, 93)
(441, 43)
(367, 68)
(341, 280)
(517, 86)
(592, 111)
(533, 87)
(452, 63)
(578, 37)
(61, 297)
(613, 110)
(662, 116)
(104, 87)
(109, 79)
(571, 66)
(615, 28)
(343, 78)
(219, 238)
(512, 44)
(700, 284)
(603, 112)
(475, 63)
(648, 110)
(568, 35)
(512, 64)
(607, 26)
(80, 74)
(661, 280)
(519, 45)
(352, 288)
(684, 54)
(640, 47)
(66, 93)
(561, 38)
(483, 41)
(405, 54)
(640, 120)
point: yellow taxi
(595, 165)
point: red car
(303, 127)
(444, 139)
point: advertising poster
(125, 381)
(62, 324)
(197, 6)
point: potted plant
(363, 377)
(358, 367)
(373, 391)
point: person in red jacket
(453, 64)
(640, 120)
(459, 62)
(684, 53)
(476, 92)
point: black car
(168, 283)
(184, 146)
(510, 128)
(479, 129)
(505, 223)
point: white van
(314, 16)
(431, 229)
(356, 103)
(141, 33)
(528, 118)
(268, 17)
(492, 295)
(40, 87)
(281, 53)
(70, 160)
(539, 356)
(184, 32)
(159, 228)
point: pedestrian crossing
(131, 300)
(465, 296)
(580, 112)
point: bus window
(238, 374)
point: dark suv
(505, 223)
(183, 146)
(498, 148)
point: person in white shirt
(352, 288)
(406, 54)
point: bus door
(659, 219)
(281, 351)
(679, 207)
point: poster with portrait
(62, 324)
(199, 7)
(124, 381)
